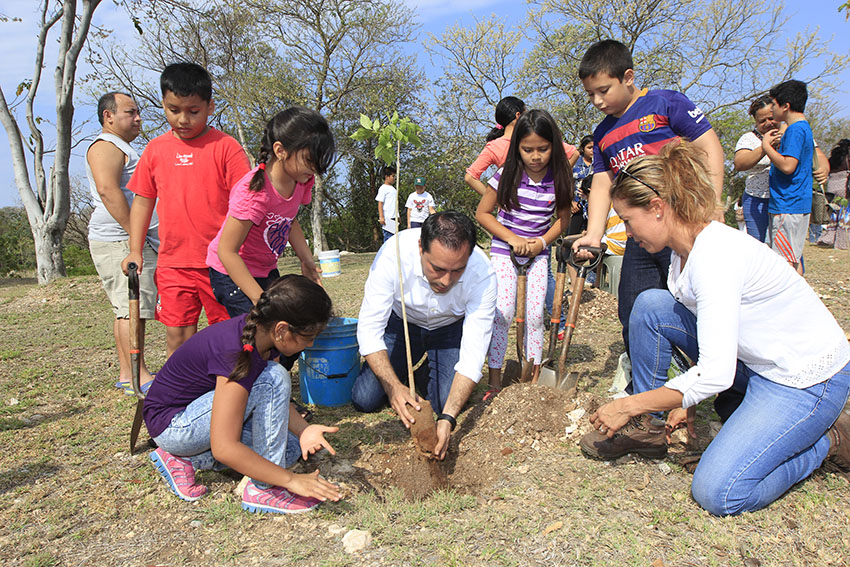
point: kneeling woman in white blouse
(748, 319)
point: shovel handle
(521, 283)
(135, 342)
(522, 269)
(583, 268)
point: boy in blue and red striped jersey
(639, 122)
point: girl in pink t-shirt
(297, 144)
(498, 140)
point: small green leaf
(365, 122)
(376, 125)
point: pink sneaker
(179, 474)
(276, 500)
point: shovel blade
(548, 377)
(424, 428)
(569, 382)
(511, 373)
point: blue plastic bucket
(327, 369)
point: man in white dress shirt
(450, 299)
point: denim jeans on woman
(640, 271)
(776, 437)
(756, 216)
(264, 429)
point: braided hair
(296, 128)
(302, 303)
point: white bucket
(329, 262)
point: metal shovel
(568, 380)
(548, 373)
(520, 369)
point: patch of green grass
(40, 559)
(9, 354)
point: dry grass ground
(520, 491)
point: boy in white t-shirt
(419, 204)
(387, 198)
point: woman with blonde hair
(750, 323)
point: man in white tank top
(110, 161)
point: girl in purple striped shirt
(535, 183)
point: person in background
(790, 173)
(387, 198)
(750, 157)
(110, 162)
(839, 171)
(419, 204)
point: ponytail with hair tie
(284, 300)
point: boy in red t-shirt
(187, 174)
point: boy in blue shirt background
(790, 172)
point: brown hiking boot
(640, 435)
(838, 458)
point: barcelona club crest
(647, 123)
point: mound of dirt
(492, 438)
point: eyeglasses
(625, 172)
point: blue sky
(18, 45)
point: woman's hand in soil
(399, 400)
(312, 440)
(609, 418)
(679, 418)
(314, 487)
(444, 435)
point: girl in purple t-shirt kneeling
(220, 401)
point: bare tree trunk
(48, 251)
(48, 200)
(320, 243)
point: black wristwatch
(452, 421)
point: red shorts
(182, 293)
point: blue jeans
(228, 294)
(550, 296)
(264, 429)
(640, 271)
(755, 215)
(434, 378)
(773, 440)
(414, 224)
(387, 234)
